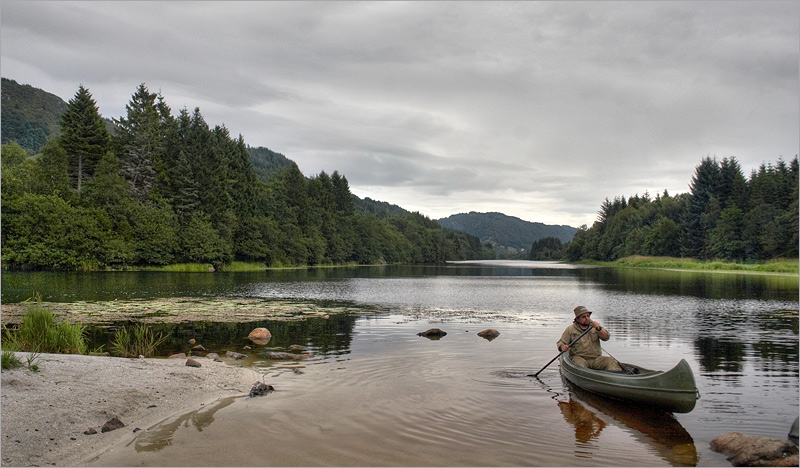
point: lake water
(376, 394)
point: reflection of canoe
(654, 427)
(673, 390)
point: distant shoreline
(778, 267)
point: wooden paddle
(562, 352)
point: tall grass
(139, 342)
(781, 266)
(40, 333)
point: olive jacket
(587, 347)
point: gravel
(44, 414)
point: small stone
(235, 355)
(90, 431)
(433, 333)
(178, 356)
(212, 356)
(193, 363)
(260, 388)
(112, 425)
(198, 348)
(489, 334)
(192, 342)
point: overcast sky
(538, 110)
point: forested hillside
(725, 216)
(510, 236)
(29, 115)
(164, 188)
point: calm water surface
(376, 394)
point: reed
(40, 333)
(141, 341)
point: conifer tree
(83, 136)
(140, 142)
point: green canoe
(673, 390)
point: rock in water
(234, 355)
(489, 334)
(260, 336)
(260, 388)
(743, 450)
(433, 333)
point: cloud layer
(535, 109)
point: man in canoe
(586, 352)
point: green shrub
(140, 342)
(39, 333)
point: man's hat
(580, 310)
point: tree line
(162, 188)
(724, 216)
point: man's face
(584, 320)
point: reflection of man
(587, 425)
(586, 352)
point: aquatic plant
(139, 342)
(40, 333)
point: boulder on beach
(193, 363)
(260, 336)
(433, 333)
(743, 450)
(198, 348)
(178, 356)
(489, 334)
(112, 425)
(213, 357)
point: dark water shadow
(659, 429)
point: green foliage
(83, 136)
(725, 217)
(10, 360)
(547, 248)
(29, 115)
(141, 341)
(40, 333)
(172, 189)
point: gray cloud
(536, 109)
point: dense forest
(29, 115)
(724, 216)
(163, 188)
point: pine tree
(83, 136)
(140, 142)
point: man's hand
(563, 348)
(596, 325)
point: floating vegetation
(178, 310)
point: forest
(724, 216)
(160, 188)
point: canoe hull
(673, 390)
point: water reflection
(658, 429)
(719, 354)
(162, 435)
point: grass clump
(141, 341)
(10, 360)
(40, 333)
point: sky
(536, 109)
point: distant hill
(508, 234)
(29, 115)
(379, 208)
(266, 162)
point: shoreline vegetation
(778, 266)
(786, 267)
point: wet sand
(44, 414)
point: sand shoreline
(43, 415)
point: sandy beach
(45, 414)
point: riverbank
(45, 414)
(772, 267)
